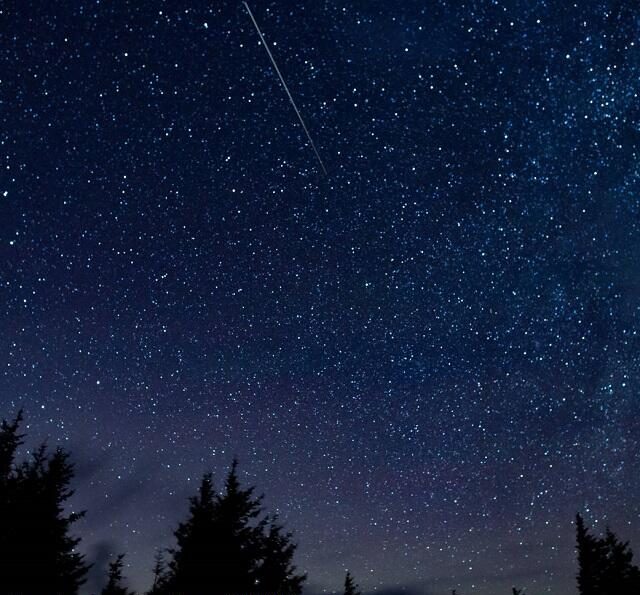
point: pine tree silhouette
(604, 564)
(620, 575)
(589, 559)
(350, 586)
(223, 547)
(37, 553)
(160, 577)
(10, 441)
(114, 586)
(276, 573)
(240, 540)
(192, 563)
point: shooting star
(284, 84)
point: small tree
(159, 574)
(350, 586)
(10, 440)
(114, 585)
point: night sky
(428, 359)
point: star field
(428, 359)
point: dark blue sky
(427, 359)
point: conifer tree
(159, 574)
(620, 575)
(218, 547)
(224, 547)
(588, 559)
(37, 553)
(350, 586)
(276, 573)
(604, 564)
(10, 440)
(239, 534)
(114, 585)
(192, 562)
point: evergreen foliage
(114, 585)
(350, 586)
(159, 570)
(225, 547)
(37, 553)
(604, 564)
(276, 573)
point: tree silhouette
(192, 559)
(276, 573)
(114, 586)
(350, 586)
(37, 553)
(620, 575)
(223, 547)
(10, 440)
(159, 574)
(590, 557)
(604, 564)
(239, 538)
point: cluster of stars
(427, 359)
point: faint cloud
(99, 556)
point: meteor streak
(284, 84)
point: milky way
(428, 360)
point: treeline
(226, 545)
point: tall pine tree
(604, 564)
(589, 559)
(191, 566)
(225, 547)
(620, 575)
(10, 440)
(37, 553)
(239, 534)
(276, 573)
